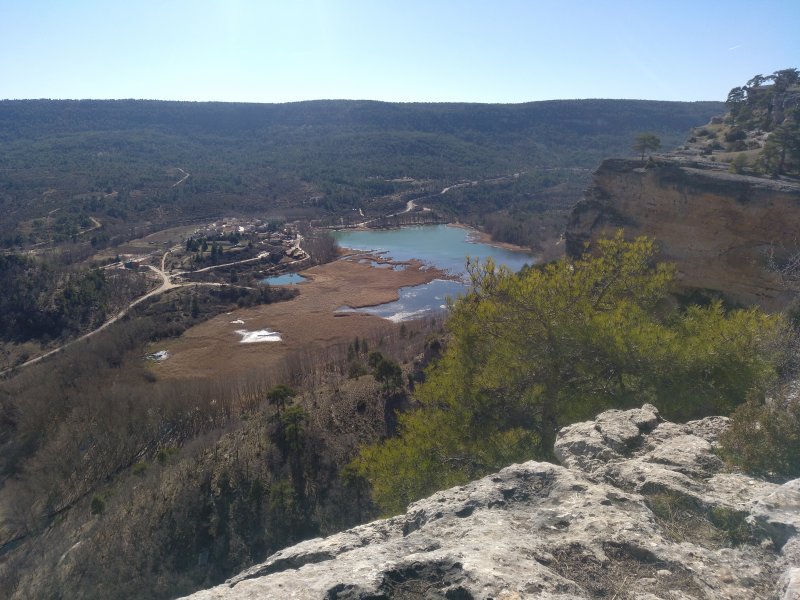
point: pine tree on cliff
(646, 142)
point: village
(222, 252)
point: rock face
(640, 510)
(719, 228)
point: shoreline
(415, 275)
(478, 236)
(481, 237)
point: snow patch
(158, 356)
(403, 315)
(261, 335)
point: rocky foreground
(640, 509)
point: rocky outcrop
(639, 509)
(720, 229)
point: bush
(98, 505)
(164, 454)
(356, 369)
(738, 164)
(764, 438)
(738, 146)
(735, 135)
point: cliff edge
(640, 509)
(723, 231)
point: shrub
(164, 454)
(738, 164)
(98, 505)
(735, 135)
(737, 146)
(764, 438)
(356, 369)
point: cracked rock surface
(639, 509)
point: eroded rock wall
(719, 229)
(641, 509)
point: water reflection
(285, 279)
(440, 246)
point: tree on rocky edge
(646, 142)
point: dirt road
(166, 285)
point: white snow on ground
(398, 317)
(237, 322)
(158, 356)
(261, 335)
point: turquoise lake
(440, 246)
(285, 279)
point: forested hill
(30, 119)
(340, 153)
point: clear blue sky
(488, 51)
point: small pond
(285, 279)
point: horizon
(513, 52)
(310, 100)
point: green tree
(756, 81)
(781, 153)
(785, 78)
(292, 426)
(280, 396)
(386, 372)
(737, 95)
(531, 352)
(646, 142)
(98, 505)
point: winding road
(185, 177)
(166, 285)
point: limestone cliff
(720, 229)
(640, 510)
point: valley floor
(307, 323)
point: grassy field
(308, 324)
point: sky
(505, 51)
